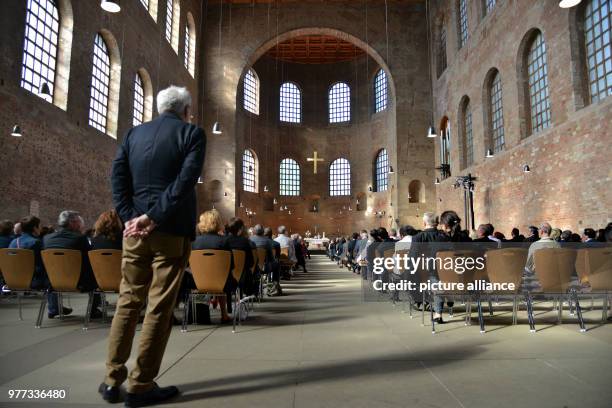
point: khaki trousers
(151, 269)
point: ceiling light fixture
(111, 6)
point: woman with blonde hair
(210, 228)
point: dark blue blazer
(155, 173)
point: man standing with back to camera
(153, 182)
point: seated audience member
(261, 241)
(29, 239)
(6, 233)
(285, 242)
(576, 238)
(608, 232)
(351, 247)
(108, 232)
(17, 230)
(406, 233)
(275, 245)
(430, 233)
(555, 234)
(589, 237)
(210, 228)
(545, 241)
(451, 225)
(516, 236)
(483, 234)
(235, 233)
(393, 234)
(499, 236)
(46, 230)
(601, 235)
(566, 236)
(533, 234)
(491, 232)
(69, 236)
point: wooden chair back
(554, 268)
(447, 274)
(506, 265)
(17, 266)
(63, 268)
(106, 265)
(261, 257)
(210, 269)
(599, 268)
(239, 261)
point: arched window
(441, 52)
(143, 98)
(290, 103)
(445, 147)
(138, 101)
(466, 129)
(537, 76)
(463, 22)
(381, 170)
(381, 94)
(416, 192)
(339, 103)
(100, 85)
(40, 47)
(340, 178)
(251, 92)
(289, 178)
(190, 44)
(597, 20)
(496, 112)
(173, 14)
(249, 171)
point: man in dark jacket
(69, 236)
(153, 181)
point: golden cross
(314, 159)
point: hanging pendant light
(216, 129)
(437, 180)
(289, 212)
(275, 201)
(16, 131)
(200, 180)
(489, 153)
(241, 205)
(568, 3)
(526, 168)
(391, 170)
(266, 188)
(111, 6)
(431, 132)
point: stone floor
(320, 345)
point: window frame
(249, 158)
(100, 86)
(381, 91)
(381, 171)
(339, 107)
(340, 178)
(290, 181)
(293, 116)
(251, 92)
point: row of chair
(210, 270)
(554, 271)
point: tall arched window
(463, 22)
(597, 21)
(40, 47)
(381, 94)
(466, 129)
(339, 99)
(381, 170)
(290, 103)
(173, 14)
(289, 178)
(496, 113)
(139, 101)
(340, 177)
(537, 75)
(100, 85)
(251, 91)
(249, 171)
(441, 55)
(190, 44)
(445, 148)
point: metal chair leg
(604, 308)
(560, 310)
(514, 310)
(579, 312)
(60, 301)
(468, 312)
(41, 311)
(530, 313)
(490, 306)
(88, 311)
(19, 302)
(480, 316)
